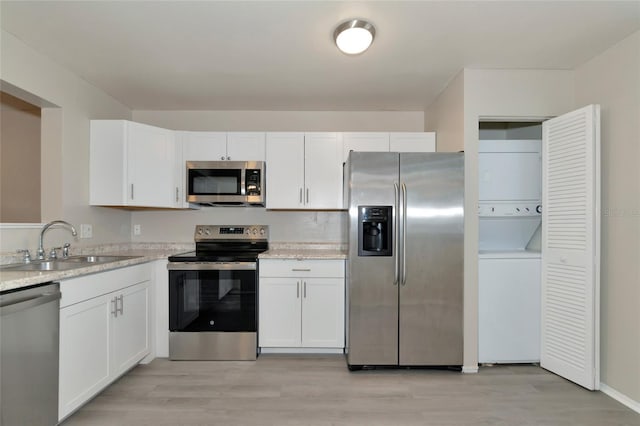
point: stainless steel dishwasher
(29, 330)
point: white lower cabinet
(104, 331)
(301, 304)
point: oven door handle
(211, 266)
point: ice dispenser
(374, 230)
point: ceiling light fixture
(354, 36)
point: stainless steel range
(213, 294)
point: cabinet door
(323, 171)
(323, 312)
(205, 146)
(84, 352)
(412, 142)
(365, 142)
(150, 166)
(246, 146)
(130, 328)
(285, 170)
(279, 317)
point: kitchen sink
(47, 265)
(96, 259)
(64, 264)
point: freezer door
(372, 296)
(432, 247)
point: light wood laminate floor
(319, 390)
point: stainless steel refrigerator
(405, 266)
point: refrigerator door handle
(404, 234)
(396, 278)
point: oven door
(212, 297)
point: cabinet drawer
(301, 268)
(75, 290)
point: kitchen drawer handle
(114, 311)
(132, 191)
(300, 270)
(121, 299)
(300, 195)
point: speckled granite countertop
(305, 251)
(12, 280)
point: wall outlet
(137, 229)
(86, 231)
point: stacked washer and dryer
(510, 213)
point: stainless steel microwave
(226, 182)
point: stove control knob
(262, 231)
(255, 231)
(199, 231)
(207, 231)
(248, 231)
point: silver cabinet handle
(297, 289)
(307, 195)
(304, 289)
(300, 270)
(396, 197)
(177, 196)
(300, 195)
(121, 299)
(132, 191)
(114, 310)
(404, 234)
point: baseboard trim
(620, 397)
(470, 369)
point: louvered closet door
(571, 246)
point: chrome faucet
(46, 227)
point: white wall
(287, 121)
(65, 146)
(285, 226)
(612, 80)
(446, 115)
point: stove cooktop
(237, 243)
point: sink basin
(64, 264)
(95, 259)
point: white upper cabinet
(364, 142)
(304, 171)
(412, 142)
(246, 146)
(219, 146)
(285, 170)
(322, 171)
(204, 146)
(133, 164)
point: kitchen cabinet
(301, 304)
(412, 142)
(133, 165)
(304, 171)
(104, 331)
(365, 142)
(223, 146)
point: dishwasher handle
(18, 305)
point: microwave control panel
(252, 181)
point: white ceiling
(279, 55)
